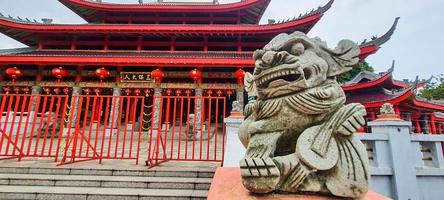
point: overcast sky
(416, 46)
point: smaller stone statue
(236, 107)
(387, 109)
(388, 113)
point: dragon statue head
(294, 62)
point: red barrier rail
(187, 129)
(88, 127)
(104, 127)
(31, 125)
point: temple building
(374, 90)
(172, 48)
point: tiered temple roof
(374, 90)
(243, 12)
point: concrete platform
(227, 185)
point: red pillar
(433, 123)
(173, 44)
(132, 111)
(73, 44)
(416, 117)
(139, 43)
(106, 45)
(205, 44)
(96, 112)
(397, 111)
(40, 45)
(239, 43)
(372, 115)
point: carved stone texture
(298, 133)
(387, 109)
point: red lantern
(137, 92)
(7, 90)
(157, 75)
(102, 73)
(229, 93)
(240, 74)
(209, 92)
(16, 90)
(14, 73)
(196, 75)
(219, 93)
(26, 90)
(57, 90)
(178, 92)
(87, 91)
(97, 91)
(188, 92)
(66, 90)
(169, 92)
(59, 72)
(128, 91)
(47, 90)
(147, 92)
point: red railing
(31, 125)
(89, 127)
(104, 127)
(187, 129)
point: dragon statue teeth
(298, 133)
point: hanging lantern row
(56, 90)
(103, 73)
(137, 92)
(17, 90)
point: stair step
(158, 172)
(93, 193)
(106, 181)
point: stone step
(184, 172)
(93, 193)
(105, 181)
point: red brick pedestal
(227, 185)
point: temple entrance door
(187, 128)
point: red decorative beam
(134, 61)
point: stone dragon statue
(298, 133)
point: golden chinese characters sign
(131, 77)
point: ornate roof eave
(398, 98)
(356, 86)
(93, 6)
(371, 47)
(430, 104)
(19, 28)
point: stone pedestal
(234, 150)
(227, 185)
(404, 174)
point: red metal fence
(30, 125)
(180, 132)
(87, 127)
(103, 127)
